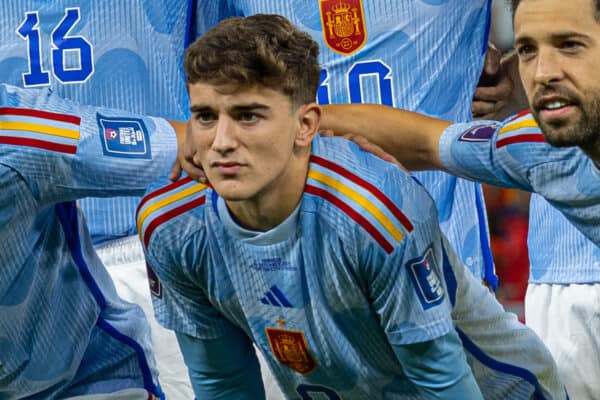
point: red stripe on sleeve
(361, 182)
(352, 214)
(27, 112)
(170, 214)
(531, 137)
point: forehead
(535, 18)
(226, 96)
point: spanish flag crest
(343, 25)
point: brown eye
(205, 117)
(526, 50)
(247, 117)
(569, 45)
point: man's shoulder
(520, 142)
(520, 128)
(357, 189)
(165, 205)
(350, 165)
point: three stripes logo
(275, 297)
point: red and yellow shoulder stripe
(521, 128)
(360, 200)
(39, 129)
(166, 203)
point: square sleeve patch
(425, 279)
(124, 137)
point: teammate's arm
(222, 368)
(410, 137)
(83, 151)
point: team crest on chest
(290, 349)
(343, 25)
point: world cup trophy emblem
(343, 25)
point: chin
(231, 191)
(567, 135)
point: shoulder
(520, 128)
(357, 190)
(520, 140)
(170, 210)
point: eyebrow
(236, 108)
(557, 36)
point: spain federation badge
(290, 349)
(343, 25)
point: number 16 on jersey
(71, 56)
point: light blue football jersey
(361, 265)
(423, 56)
(515, 154)
(101, 53)
(63, 329)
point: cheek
(526, 73)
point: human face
(558, 43)
(248, 141)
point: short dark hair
(515, 3)
(263, 49)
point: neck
(274, 203)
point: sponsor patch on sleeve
(155, 286)
(426, 282)
(479, 133)
(124, 137)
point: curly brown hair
(263, 49)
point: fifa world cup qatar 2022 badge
(343, 25)
(124, 137)
(427, 284)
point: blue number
(375, 69)
(323, 90)
(62, 43)
(29, 31)
(303, 390)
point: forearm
(410, 137)
(439, 368)
(221, 369)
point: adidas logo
(276, 298)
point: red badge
(290, 349)
(343, 25)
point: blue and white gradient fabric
(102, 53)
(423, 56)
(63, 329)
(564, 231)
(361, 265)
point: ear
(309, 118)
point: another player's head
(558, 43)
(252, 83)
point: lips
(226, 168)
(554, 105)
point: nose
(224, 140)
(547, 69)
